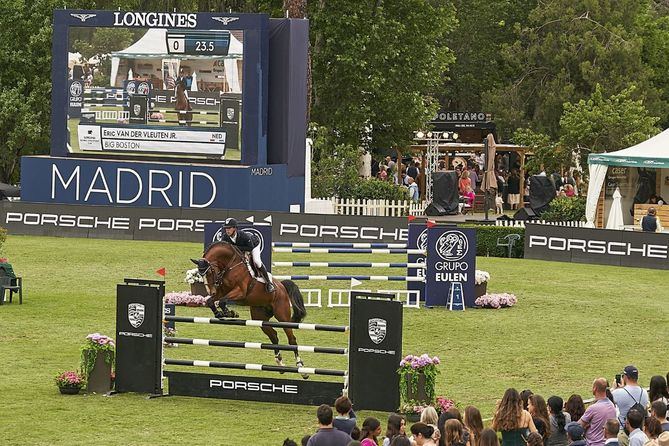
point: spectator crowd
(624, 414)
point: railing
(379, 208)
(521, 223)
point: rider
(248, 243)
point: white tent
(652, 153)
(153, 46)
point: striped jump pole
(250, 323)
(258, 345)
(245, 366)
(179, 121)
(384, 278)
(183, 112)
(350, 265)
(349, 251)
(338, 245)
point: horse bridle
(220, 275)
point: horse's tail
(296, 300)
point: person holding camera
(628, 393)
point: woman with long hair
(454, 434)
(575, 407)
(658, 390)
(539, 412)
(558, 420)
(474, 424)
(514, 422)
(422, 434)
(396, 426)
(525, 396)
(371, 429)
(489, 438)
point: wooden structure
(448, 148)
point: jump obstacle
(341, 297)
(118, 97)
(370, 380)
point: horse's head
(218, 259)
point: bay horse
(226, 274)
(182, 104)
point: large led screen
(173, 91)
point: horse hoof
(233, 314)
(219, 315)
(305, 376)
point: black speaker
(542, 192)
(525, 214)
(445, 192)
(434, 210)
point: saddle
(253, 270)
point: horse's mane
(235, 249)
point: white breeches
(256, 257)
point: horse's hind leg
(261, 314)
(282, 313)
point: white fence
(378, 208)
(521, 223)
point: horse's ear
(194, 261)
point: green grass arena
(572, 323)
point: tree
(377, 66)
(483, 29)
(564, 51)
(604, 124)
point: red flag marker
(161, 272)
(411, 217)
(431, 223)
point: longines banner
(188, 225)
(600, 246)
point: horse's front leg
(232, 295)
(211, 303)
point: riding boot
(269, 286)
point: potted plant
(70, 382)
(97, 357)
(196, 282)
(412, 410)
(418, 376)
(481, 279)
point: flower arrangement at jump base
(185, 298)
(97, 358)
(496, 301)
(70, 382)
(418, 378)
(193, 276)
(481, 277)
(196, 282)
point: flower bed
(502, 300)
(185, 298)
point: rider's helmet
(230, 223)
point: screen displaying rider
(247, 242)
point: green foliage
(548, 156)
(565, 209)
(375, 189)
(484, 27)
(487, 236)
(412, 369)
(96, 344)
(376, 67)
(604, 124)
(562, 52)
(335, 172)
(3, 238)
